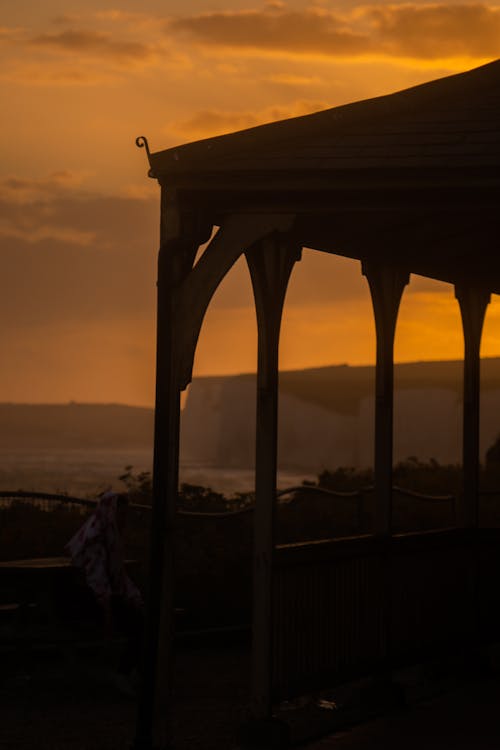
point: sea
(86, 473)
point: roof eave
(346, 179)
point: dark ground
(49, 705)
(465, 717)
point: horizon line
(74, 402)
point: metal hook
(142, 142)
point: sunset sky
(79, 216)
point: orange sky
(78, 215)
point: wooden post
(473, 303)
(177, 252)
(184, 293)
(386, 287)
(270, 263)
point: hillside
(220, 411)
(75, 425)
(340, 388)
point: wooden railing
(326, 619)
(345, 607)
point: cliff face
(326, 419)
(326, 416)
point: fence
(345, 607)
(489, 508)
(43, 500)
(342, 606)
(304, 513)
(412, 510)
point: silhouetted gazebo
(406, 183)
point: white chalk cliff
(326, 416)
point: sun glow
(79, 217)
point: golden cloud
(40, 233)
(23, 191)
(434, 31)
(72, 254)
(8, 33)
(91, 55)
(285, 79)
(209, 122)
(311, 31)
(438, 30)
(47, 74)
(95, 43)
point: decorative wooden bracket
(193, 295)
(182, 231)
(270, 263)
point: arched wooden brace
(473, 303)
(181, 233)
(183, 297)
(270, 262)
(386, 287)
(193, 296)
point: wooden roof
(449, 124)
(412, 178)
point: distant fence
(41, 523)
(46, 501)
(449, 501)
(49, 501)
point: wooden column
(386, 286)
(473, 303)
(179, 242)
(270, 263)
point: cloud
(51, 73)
(94, 43)
(74, 255)
(8, 33)
(87, 50)
(131, 19)
(424, 32)
(77, 309)
(432, 31)
(39, 233)
(285, 79)
(298, 32)
(23, 191)
(209, 122)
